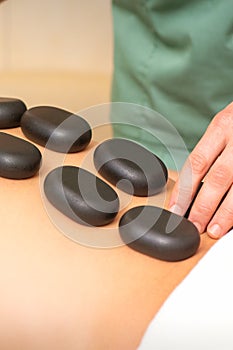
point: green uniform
(176, 57)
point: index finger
(197, 165)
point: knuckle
(224, 119)
(225, 213)
(199, 163)
(220, 176)
(185, 194)
(204, 209)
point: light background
(56, 52)
(56, 35)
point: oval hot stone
(19, 159)
(56, 129)
(120, 159)
(11, 111)
(81, 196)
(159, 233)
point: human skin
(210, 160)
(59, 294)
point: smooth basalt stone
(81, 196)
(159, 233)
(19, 159)
(120, 159)
(11, 111)
(65, 131)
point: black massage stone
(81, 196)
(19, 159)
(159, 233)
(66, 132)
(120, 159)
(11, 111)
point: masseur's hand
(211, 160)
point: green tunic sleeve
(175, 57)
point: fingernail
(198, 226)
(176, 209)
(214, 231)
